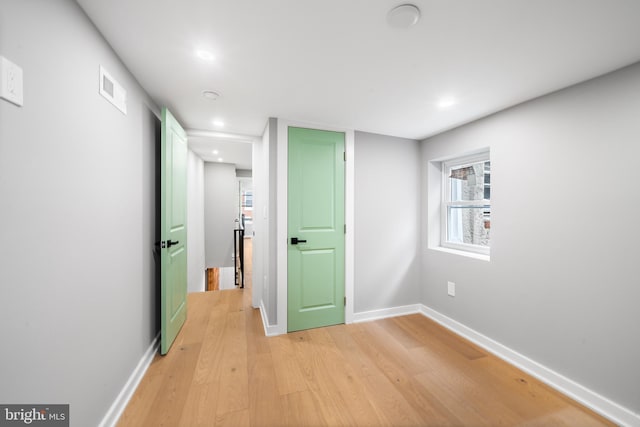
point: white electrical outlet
(10, 82)
(451, 289)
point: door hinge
(345, 229)
(344, 155)
(345, 301)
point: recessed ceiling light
(219, 159)
(403, 16)
(446, 102)
(215, 151)
(205, 55)
(210, 95)
(218, 123)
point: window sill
(467, 254)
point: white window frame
(446, 202)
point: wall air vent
(113, 91)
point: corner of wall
(120, 404)
(574, 390)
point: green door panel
(173, 226)
(315, 295)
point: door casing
(282, 220)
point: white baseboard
(119, 405)
(365, 316)
(269, 330)
(585, 396)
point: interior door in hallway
(173, 225)
(316, 254)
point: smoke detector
(210, 95)
(403, 16)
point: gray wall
(220, 212)
(265, 224)
(270, 293)
(562, 284)
(259, 225)
(195, 220)
(77, 194)
(264, 254)
(387, 222)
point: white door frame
(282, 218)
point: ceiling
(338, 62)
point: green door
(173, 226)
(315, 229)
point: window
(466, 203)
(247, 199)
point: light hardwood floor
(405, 371)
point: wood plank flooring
(404, 371)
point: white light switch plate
(10, 81)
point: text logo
(34, 415)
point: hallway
(407, 371)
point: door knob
(170, 243)
(295, 241)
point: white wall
(221, 211)
(195, 219)
(562, 284)
(77, 195)
(387, 222)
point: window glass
(467, 203)
(469, 182)
(469, 224)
